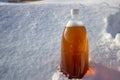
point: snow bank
(111, 2)
(114, 24)
(30, 37)
(117, 39)
(87, 2)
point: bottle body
(74, 51)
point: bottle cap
(74, 12)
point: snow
(113, 22)
(117, 38)
(111, 2)
(30, 37)
(87, 2)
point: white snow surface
(30, 39)
(110, 2)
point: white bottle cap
(74, 12)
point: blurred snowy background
(30, 37)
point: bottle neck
(74, 21)
(75, 18)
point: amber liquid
(74, 52)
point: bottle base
(58, 75)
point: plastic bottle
(74, 48)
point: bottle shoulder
(74, 23)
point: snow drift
(30, 37)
